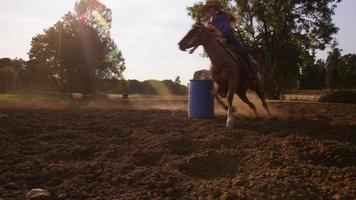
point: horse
(228, 71)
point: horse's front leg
(231, 119)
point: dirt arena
(149, 149)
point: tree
(155, 87)
(14, 68)
(7, 79)
(313, 75)
(332, 64)
(347, 71)
(280, 34)
(5, 62)
(78, 50)
(340, 70)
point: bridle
(201, 27)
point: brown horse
(229, 72)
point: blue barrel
(200, 99)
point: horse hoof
(230, 125)
(230, 122)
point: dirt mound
(182, 146)
(210, 165)
(125, 153)
(332, 154)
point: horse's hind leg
(243, 97)
(260, 94)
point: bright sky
(147, 33)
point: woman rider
(220, 24)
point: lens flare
(99, 18)
(93, 13)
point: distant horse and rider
(232, 68)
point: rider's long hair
(234, 18)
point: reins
(235, 57)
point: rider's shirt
(222, 23)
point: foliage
(281, 34)
(78, 50)
(154, 87)
(17, 64)
(347, 71)
(111, 86)
(14, 76)
(5, 62)
(341, 70)
(7, 79)
(313, 75)
(332, 63)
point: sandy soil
(86, 150)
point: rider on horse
(220, 25)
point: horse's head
(193, 38)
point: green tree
(17, 66)
(313, 75)
(333, 62)
(347, 71)
(280, 34)
(78, 50)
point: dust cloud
(137, 102)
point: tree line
(17, 76)
(337, 71)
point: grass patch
(30, 97)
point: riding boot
(242, 53)
(248, 60)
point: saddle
(252, 74)
(236, 56)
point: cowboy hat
(213, 3)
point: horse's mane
(225, 47)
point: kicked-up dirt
(307, 151)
